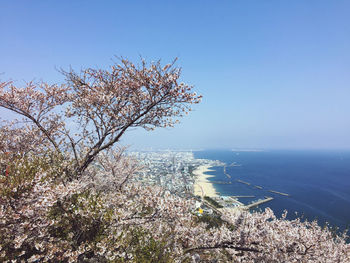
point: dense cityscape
(175, 171)
(170, 170)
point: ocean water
(318, 182)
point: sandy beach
(202, 186)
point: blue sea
(318, 182)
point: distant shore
(202, 186)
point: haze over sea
(318, 182)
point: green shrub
(213, 202)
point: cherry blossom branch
(221, 246)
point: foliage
(147, 248)
(212, 221)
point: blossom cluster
(100, 217)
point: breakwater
(280, 193)
(243, 182)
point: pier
(272, 191)
(258, 202)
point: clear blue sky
(274, 74)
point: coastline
(202, 186)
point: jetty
(229, 176)
(258, 202)
(242, 196)
(243, 182)
(257, 186)
(276, 192)
(234, 164)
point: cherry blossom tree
(101, 105)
